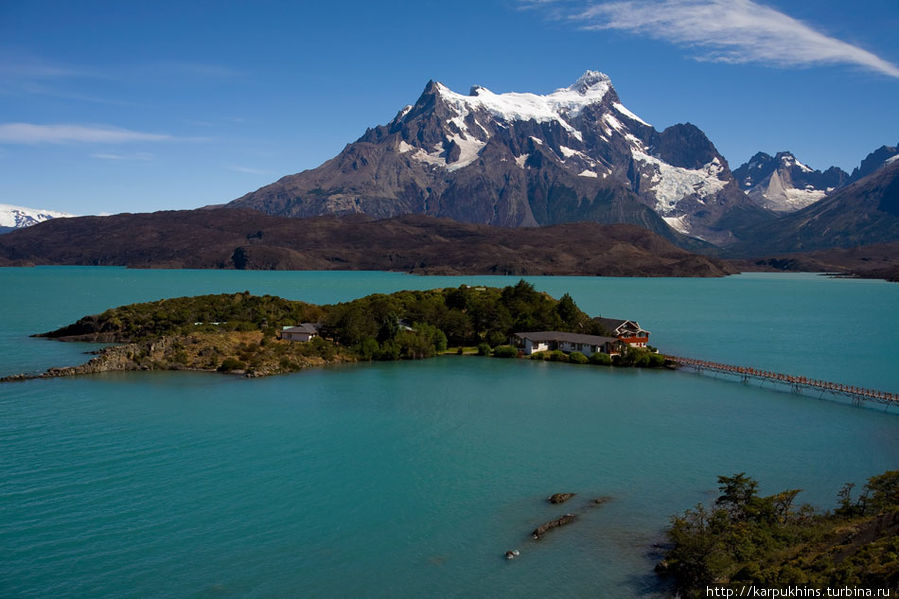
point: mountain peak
(16, 217)
(591, 81)
(788, 160)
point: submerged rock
(560, 497)
(561, 521)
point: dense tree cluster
(747, 539)
(406, 323)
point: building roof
(569, 337)
(613, 324)
(306, 327)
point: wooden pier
(858, 395)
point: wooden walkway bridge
(799, 384)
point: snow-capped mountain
(861, 213)
(523, 159)
(17, 217)
(783, 184)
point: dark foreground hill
(239, 239)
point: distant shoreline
(230, 239)
(249, 240)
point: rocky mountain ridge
(783, 184)
(879, 158)
(862, 213)
(522, 159)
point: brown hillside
(229, 238)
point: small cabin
(629, 331)
(303, 333)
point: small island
(257, 336)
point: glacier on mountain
(17, 217)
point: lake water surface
(411, 479)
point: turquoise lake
(411, 479)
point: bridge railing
(798, 382)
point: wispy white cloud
(32, 68)
(35, 69)
(30, 75)
(28, 133)
(248, 170)
(736, 31)
(144, 156)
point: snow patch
(586, 173)
(891, 159)
(620, 108)
(635, 141)
(613, 122)
(520, 160)
(470, 150)
(558, 106)
(435, 159)
(515, 106)
(568, 152)
(536, 140)
(678, 223)
(459, 122)
(804, 168)
(404, 147)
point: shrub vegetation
(577, 357)
(746, 539)
(505, 351)
(601, 359)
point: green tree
(737, 492)
(568, 312)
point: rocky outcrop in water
(242, 353)
(547, 526)
(560, 497)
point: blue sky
(140, 106)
